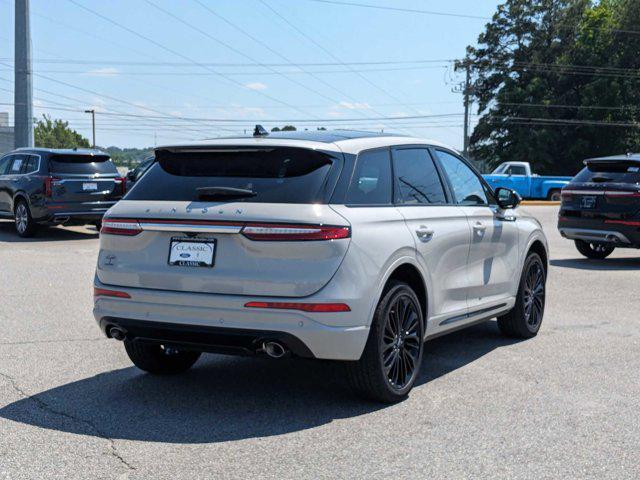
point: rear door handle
(424, 233)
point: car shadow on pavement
(226, 398)
(46, 234)
(604, 265)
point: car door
(518, 180)
(439, 229)
(5, 196)
(14, 177)
(493, 262)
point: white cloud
(256, 86)
(103, 72)
(354, 105)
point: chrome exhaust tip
(274, 349)
(117, 333)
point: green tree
(289, 128)
(57, 134)
(544, 85)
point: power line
(273, 50)
(404, 10)
(229, 64)
(239, 52)
(177, 53)
(327, 51)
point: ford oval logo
(185, 255)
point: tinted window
(4, 164)
(274, 175)
(371, 181)
(81, 164)
(467, 187)
(30, 165)
(517, 170)
(417, 178)
(609, 172)
(16, 165)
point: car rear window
(274, 175)
(609, 172)
(81, 164)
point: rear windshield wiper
(224, 192)
(601, 179)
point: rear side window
(371, 181)
(467, 186)
(81, 164)
(609, 172)
(516, 170)
(417, 178)
(16, 166)
(30, 165)
(266, 175)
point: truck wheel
(595, 251)
(555, 195)
(25, 226)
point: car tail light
(273, 232)
(305, 307)
(566, 196)
(621, 194)
(628, 223)
(48, 185)
(122, 182)
(103, 292)
(120, 226)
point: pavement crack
(113, 450)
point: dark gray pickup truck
(50, 187)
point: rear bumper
(80, 213)
(221, 323)
(600, 231)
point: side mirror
(507, 198)
(131, 175)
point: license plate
(588, 202)
(90, 187)
(191, 252)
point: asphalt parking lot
(563, 405)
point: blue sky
(191, 72)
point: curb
(541, 203)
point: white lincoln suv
(336, 245)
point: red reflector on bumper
(305, 307)
(628, 223)
(103, 292)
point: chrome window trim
(23, 174)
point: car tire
(525, 319)
(595, 251)
(159, 359)
(390, 363)
(25, 225)
(98, 225)
(555, 195)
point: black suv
(52, 187)
(601, 206)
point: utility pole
(467, 93)
(93, 124)
(23, 89)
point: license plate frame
(193, 258)
(588, 202)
